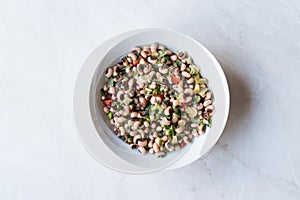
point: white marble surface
(44, 43)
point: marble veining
(42, 46)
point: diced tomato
(174, 79)
(135, 62)
(160, 95)
(107, 102)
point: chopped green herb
(160, 142)
(189, 60)
(209, 123)
(196, 99)
(184, 115)
(177, 110)
(148, 89)
(110, 82)
(110, 115)
(127, 101)
(156, 91)
(124, 122)
(202, 91)
(130, 139)
(178, 63)
(160, 134)
(161, 54)
(170, 131)
(180, 135)
(102, 92)
(155, 67)
(157, 117)
(141, 120)
(147, 118)
(147, 107)
(124, 68)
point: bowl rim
(125, 35)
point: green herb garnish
(102, 92)
(130, 139)
(110, 82)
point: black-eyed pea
(173, 57)
(185, 74)
(132, 56)
(190, 80)
(164, 138)
(155, 147)
(177, 147)
(207, 103)
(158, 128)
(147, 130)
(112, 90)
(142, 142)
(109, 72)
(151, 150)
(186, 140)
(142, 150)
(106, 110)
(208, 95)
(122, 131)
(182, 67)
(160, 154)
(136, 138)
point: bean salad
(156, 100)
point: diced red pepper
(135, 62)
(174, 79)
(107, 102)
(160, 95)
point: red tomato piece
(135, 62)
(174, 79)
(107, 102)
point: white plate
(97, 146)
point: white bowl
(97, 137)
